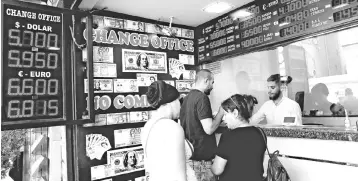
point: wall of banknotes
(129, 53)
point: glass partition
(326, 77)
(323, 69)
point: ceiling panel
(185, 12)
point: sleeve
(259, 115)
(298, 112)
(223, 147)
(203, 108)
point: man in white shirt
(278, 107)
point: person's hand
(221, 111)
(223, 124)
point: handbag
(275, 169)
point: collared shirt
(275, 113)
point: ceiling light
(217, 7)
(43, 2)
(283, 24)
(242, 13)
(340, 6)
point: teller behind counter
(279, 109)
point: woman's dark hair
(238, 102)
(250, 101)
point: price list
(217, 39)
(270, 22)
(31, 64)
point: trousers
(202, 170)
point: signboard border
(66, 118)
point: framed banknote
(100, 85)
(127, 137)
(186, 59)
(146, 79)
(144, 61)
(109, 22)
(138, 116)
(133, 25)
(104, 70)
(170, 82)
(117, 118)
(152, 28)
(127, 160)
(184, 85)
(125, 85)
(100, 54)
(101, 171)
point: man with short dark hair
(199, 125)
(278, 107)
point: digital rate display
(264, 23)
(31, 64)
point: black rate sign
(31, 64)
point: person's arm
(222, 156)
(210, 125)
(218, 166)
(258, 116)
(298, 112)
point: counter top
(308, 132)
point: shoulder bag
(275, 169)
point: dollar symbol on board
(17, 24)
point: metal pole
(90, 100)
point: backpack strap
(265, 140)
(190, 146)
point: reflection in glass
(331, 77)
(34, 154)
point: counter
(308, 132)
(313, 153)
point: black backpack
(275, 169)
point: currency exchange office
(73, 107)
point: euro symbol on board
(20, 73)
(264, 7)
